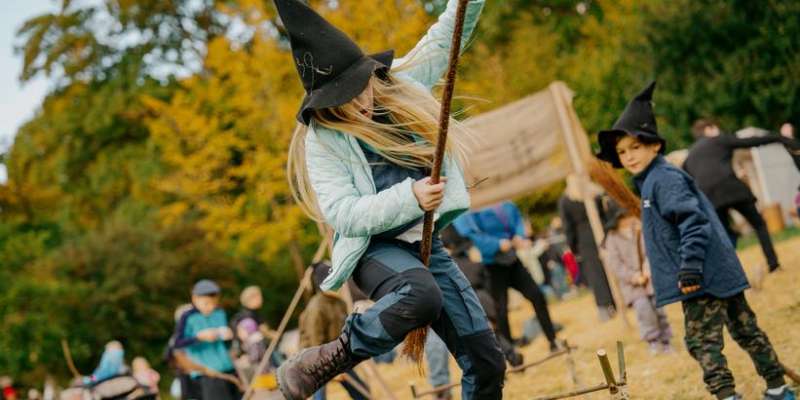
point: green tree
(736, 60)
(119, 283)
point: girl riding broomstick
(360, 161)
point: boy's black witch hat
(331, 66)
(639, 120)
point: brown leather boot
(304, 374)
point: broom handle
(444, 125)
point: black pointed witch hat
(639, 120)
(331, 66)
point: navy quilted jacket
(682, 231)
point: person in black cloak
(360, 161)
(710, 163)
(582, 242)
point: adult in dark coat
(710, 164)
(792, 145)
(498, 231)
(581, 240)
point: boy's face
(711, 131)
(205, 304)
(634, 155)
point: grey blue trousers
(407, 296)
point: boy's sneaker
(516, 359)
(667, 348)
(786, 394)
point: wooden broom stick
(68, 357)
(415, 341)
(444, 124)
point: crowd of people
(361, 162)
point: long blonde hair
(409, 110)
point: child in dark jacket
(692, 260)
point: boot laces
(328, 367)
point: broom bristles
(605, 175)
(414, 346)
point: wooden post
(617, 388)
(576, 158)
(608, 373)
(623, 373)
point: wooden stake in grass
(415, 341)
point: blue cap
(205, 287)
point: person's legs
(521, 281)
(745, 331)
(354, 393)
(753, 217)
(321, 393)
(665, 335)
(499, 280)
(406, 297)
(464, 328)
(649, 328)
(218, 389)
(438, 360)
(275, 359)
(190, 388)
(704, 318)
(558, 278)
(506, 346)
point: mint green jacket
(342, 178)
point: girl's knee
(425, 300)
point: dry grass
(663, 377)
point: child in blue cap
(204, 333)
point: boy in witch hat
(360, 161)
(691, 258)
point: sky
(18, 102)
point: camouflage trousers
(705, 317)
